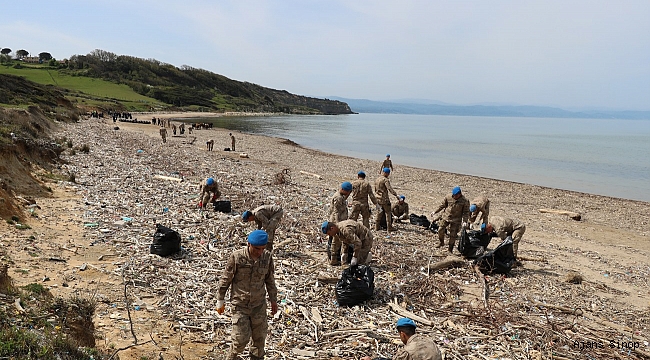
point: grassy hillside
(105, 80)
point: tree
(5, 51)
(21, 54)
(45, 56)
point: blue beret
(405, 322)
(325, 227)
(386, 170)
(402, 197)
(456, 190)
(246, 215)
(210, 181)
(361, 173)
(347, 186)
(258, 238)
(387, 155)
(472, 208)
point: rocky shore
(102, 225)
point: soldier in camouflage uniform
(209, 192)
(353, 233)
(163, 134)
(382, 188)
(267, 217)
(454, 212)
(416, 346)
(400, 209)
(338, 212)
(249, 274)
(361, 190)
(386, 164)
(504, 227)
(480, 204)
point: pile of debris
(131, 181)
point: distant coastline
(434, 108)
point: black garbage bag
(473, 243)
(499, 260)
(356, 285)
(165, 241)
(419, 220)
(434, 227)
(223, 206)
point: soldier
(352, 233)
(361, 190)
(456, 212)
(382, 188)
(386, 164)
(163, 134)
(174, 129)
(268, 218)
(209, 187)
(400, 209)
(209, 145)
(338, 212)
(232, 142)
(480, 204)
(250, 271)
(416, 347)
(504, 227)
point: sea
(599, 156)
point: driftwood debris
(405, 313)
(448, 303)
(448, 262)
(169, 178)
(312, 174)
(573, 215)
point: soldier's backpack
(223, 206)
(473, 243)
(356, 285)
(165, 241)
(499, 260)
(419, 220)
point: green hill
(103, 79)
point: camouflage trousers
(516, 238)
(454, 228)
(248, 324)
(274, 221)
(364, 210)
(384, 211)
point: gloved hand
(354, 261)
(221, 306)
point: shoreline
(605, 183)
(198, 115)
(472, 185)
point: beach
(609, 247)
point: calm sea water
(607, 157)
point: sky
(572, 54)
